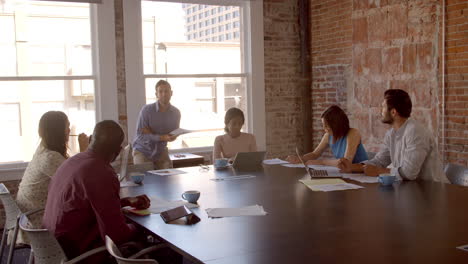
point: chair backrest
(115, 252)
(45, 246)
(457, 174)
(12, 210)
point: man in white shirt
(408, 146)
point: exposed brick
(360, 30)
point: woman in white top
(234, 141)
(54, 131)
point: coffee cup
(387, 179)
(137, 177)
(191, 196)
(221, 163)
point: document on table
(326, 185)
(275, 161)
(180, 131)
(252, 210)
(159, 205)
(232, 178)
(360, 177)
(166, 172)
(290, 165)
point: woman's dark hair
(400, 101)
(52, 131)
(232, 113)
(337, 120)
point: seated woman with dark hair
(234, 141)
(345, 142)
(54, 131)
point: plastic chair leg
(13, 244)
(2, 245)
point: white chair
(457, 174)
(45, 247)
(12, 212)
(115, 252)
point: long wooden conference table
(409, 222)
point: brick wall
(331, 49)
(456, 81)
(284, 81)
(360, 48)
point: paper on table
(311, 183)
(166, 172)
(360, 177)
(159, 205)
(289, 165)
(180, 131)
(336, 187)
(234, 177)
(128, 184)
(275, 161)
(242, 211)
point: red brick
(373, 60)
(377, 90)
(409, 58)
(377, 26)
(392, 61)
(360, 4)
(361, 92)
(397, 21)
(420, 92)
(360, 30)
(425, 57)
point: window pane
(202, 103)
(22, 103)
(45, 39)
(180, 48)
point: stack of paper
(243, 211)
(360, 177)
(180, 131)
(326, 185)
(234, 177)
(166, 172)
(290, 165)
(159, 205)
(275, 161)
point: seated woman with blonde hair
(345, 142)
(234, 141)
(54, 131)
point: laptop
(249, 161)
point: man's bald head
(107, 139)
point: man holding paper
(155, 124)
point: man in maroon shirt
(83, 203)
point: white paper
(166, 172)
(180, 131)
(242, 211)
(234, 177)
(124, 184)
(289, 165)
(275, 161)
(336, 187)
(159, 205)
(360, 177)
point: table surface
(410, 222)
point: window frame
(103, 74)
(253, 70)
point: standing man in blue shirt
(155, 122)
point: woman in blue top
(345, 142)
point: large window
(46, 64)
(207, 76)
